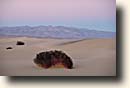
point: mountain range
(54, 32)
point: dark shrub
(9, 48)
(20, 43)
(49, 58)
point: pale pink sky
(56, 10)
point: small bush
(50, 58)
(20, 43)
(9, 48)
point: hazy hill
(54, 32)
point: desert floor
(91, 57)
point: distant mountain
(54, 32)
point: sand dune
(91, 57)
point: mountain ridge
(54, 32)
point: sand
(91, 57)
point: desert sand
(91, 57)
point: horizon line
(58, 26)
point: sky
(91, 14)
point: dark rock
(9, 48)
(20, 43)
(50, 58)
